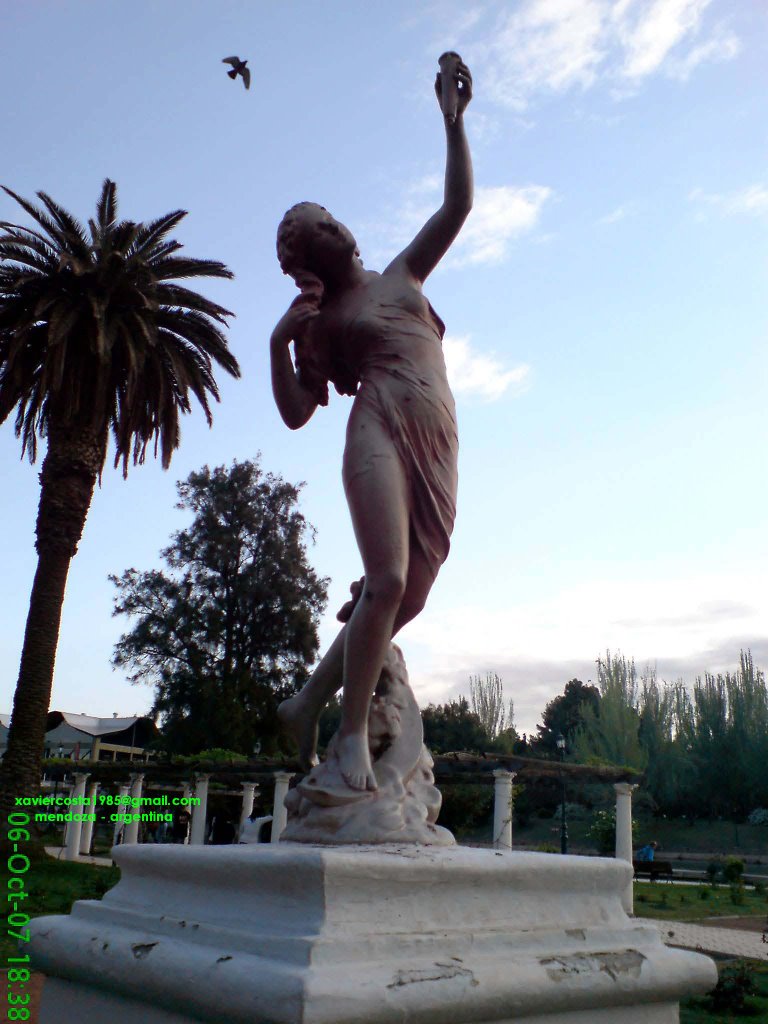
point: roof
(91, 725)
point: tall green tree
(728, 743)
(613, 735)
(454, 727)
(564, 714)
(487, 699)
(97, 335)
(229, 627)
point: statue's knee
(385, 588)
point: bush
(731, 991)
(602, 832)
(759, 816)
(216, 755)
(738, 897)
(704, 894)
(733, 870)
(713, 870)
(465, 807)
(573, 812)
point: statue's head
(310, 239)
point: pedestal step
(296, 934)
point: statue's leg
(301, 714)
(421, 577)
(377, 492)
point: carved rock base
(294, 934)
(404, 808)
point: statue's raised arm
(453, 86)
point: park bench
(654, 868)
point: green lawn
(719, 838)
(53, 887)
(700, 1011)
(670, 902)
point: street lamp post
(560, 741)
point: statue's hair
(289, 237)
(288, 234)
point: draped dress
(389, 356)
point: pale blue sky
(605, 305)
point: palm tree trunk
(72, 464)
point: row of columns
(503, 804)
(79, 834)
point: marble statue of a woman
(375, 337)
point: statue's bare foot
(355, 761)
(302, 725)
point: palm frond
(72, 229)
(106, 208)
(185, 298)
(153, 233)
(45, 222)
(24, 255)
(178, 266)
(26, 236)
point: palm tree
(95, 335)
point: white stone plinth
(298, 934)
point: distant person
(222, 831)
(181, 827)
(646, 853)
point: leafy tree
(727, 740)
(564, 714)
(613, 735)
(229, 628)
(602, 832)
(487, 697)
(453, 726)
(668, 771)
(95, 334)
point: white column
(132, 828)
(118, 808)
(249, 794)
(67, 790)
(624, 833)
(279, 813)
(199, 811)
(76, 806)
(502, 808)
(90, 808)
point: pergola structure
(193, 780)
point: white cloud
(723, 47)
(483, 375)
(614, 216)
(749, 201)
(686, 626)
(552, 46)
(545, 45)
(499, 216)
(648, 32)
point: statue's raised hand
(453, 86)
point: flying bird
(238, 68)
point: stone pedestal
(300, 934)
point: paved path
(57, 852)
(711, 940)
